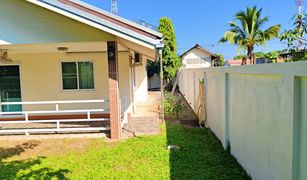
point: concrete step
(145, 119)
(150, 102)
(153, 98)
(149, 108)
(138, 126)
(143, 115)
(144, 104)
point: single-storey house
(198, 57)
(66, 58)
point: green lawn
(200, 156)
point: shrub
(172, 105)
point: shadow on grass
(26, 169)
(201, 155)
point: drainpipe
(159, 48)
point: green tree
(171, 61)
(297, 34)
(239, 57)
(297, 51)
(245, 31)
(259, 54)
(219, 60)
(272, 56)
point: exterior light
(160, 47)
(111, 53)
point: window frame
(78, 77)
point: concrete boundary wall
(261, 112)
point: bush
(172, 105)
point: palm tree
(245, 31)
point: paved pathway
(145, 120)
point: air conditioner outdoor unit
(137, 59)
(4, 56)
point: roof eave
(197, 46)
(95, 22)
(156, 33)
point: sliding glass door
(10, 88)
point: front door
(10, 88)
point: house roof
(197, 46)
(103, 20)
(238, 62)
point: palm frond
(245, 31)
(271, 32)
(237, 29)
(243, 19)
(261, 22)
(229, 36)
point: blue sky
(203, 21)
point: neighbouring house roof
(287, 53)
(235, 62)
(197, 46)
(103, 20)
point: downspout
(159, 48)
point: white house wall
(41, 78)
(197, 54)
(25, 23)
(141, 91)
(125, 80)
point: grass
(200, 156)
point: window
(77, 75)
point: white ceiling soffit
(96, 22)
(52, 48)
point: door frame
(133, 86)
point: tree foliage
(173, 106)
(171, 61)
(272, 55)
(239, 57)
(219, 60)
(259, 54)
(152, 68)
(295, 38)
(245, 31)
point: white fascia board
(96, 22)
(2, 42)
(155, 33)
